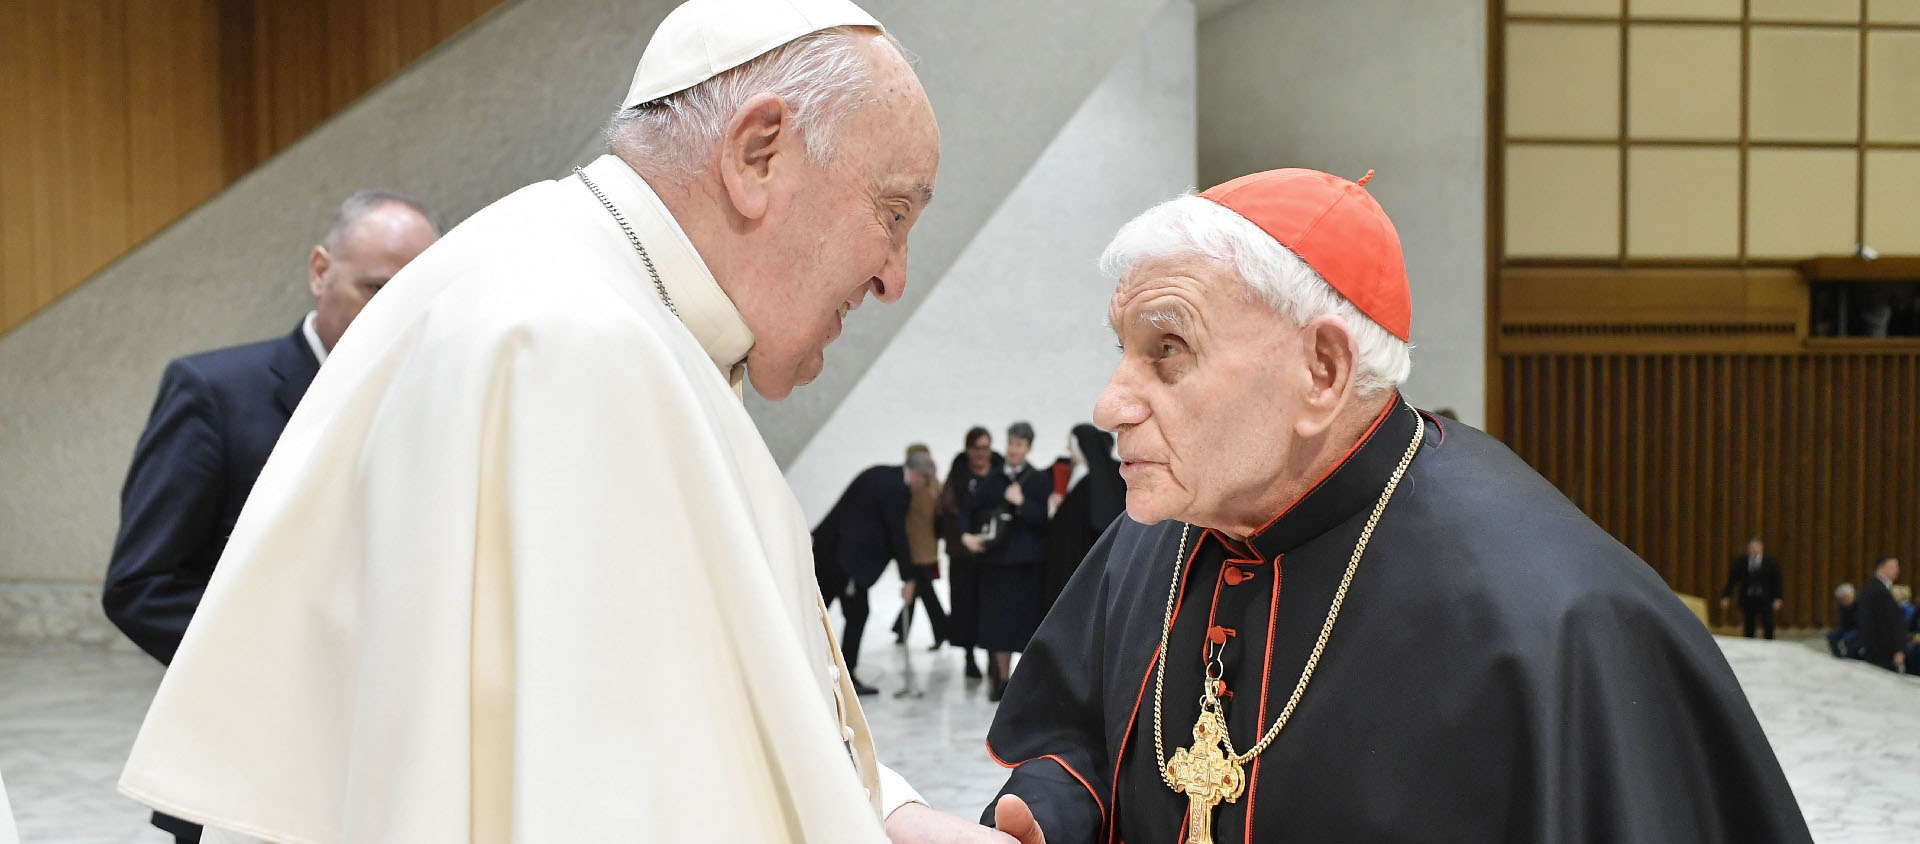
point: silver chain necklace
(658, 285)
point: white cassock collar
(704, 308)
(313, 337)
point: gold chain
(1319, 647)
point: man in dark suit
(216, 420)
(865, 529)
(1883, 631)
(1755, 577)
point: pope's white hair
(821, 76)
(1189, 226)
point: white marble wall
(1017, 328)
(8, 833)
(36, 611)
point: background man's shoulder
(223, 367)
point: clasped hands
(917, 823)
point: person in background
(923, 542)
(1755, 576)
(1903, 596)
(1096, 495)
(1844, 639)
(217, 418)
(1883, 636)
(851, 546)
(1009, 514)
(970, 469)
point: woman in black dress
(970, 468)
(1009, 512)
(1094, 499)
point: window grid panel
(1776, 21)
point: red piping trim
(1337, 466)
(1120, 757)
(1266, 679)
(1058, 761)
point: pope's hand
(973, 542)
(916, 823)
(1013, 817)
(1015, 495)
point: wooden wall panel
(173, 60)
(1682, 457)
(310, 60)
(123, 114)
(64, 154)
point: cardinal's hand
(916, 823)
(1013, 817)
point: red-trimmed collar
(1353, 484)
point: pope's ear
(753, 153)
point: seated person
(1903, 595)
(1844, 639)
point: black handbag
(995, 526)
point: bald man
(216, 419)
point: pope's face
(1203, 399)
(844, 235)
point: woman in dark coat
(970, 468)
(1091, 504)
(1009, 512)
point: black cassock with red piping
(1502, 670)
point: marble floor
(68, 716)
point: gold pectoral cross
(1205, 774)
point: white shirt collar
(313, 337)
(704, 308)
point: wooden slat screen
(1683, 457)
(122, 115)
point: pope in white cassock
(520, 568)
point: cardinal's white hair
(1189, 226)
(822, 76)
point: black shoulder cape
(1502, 670)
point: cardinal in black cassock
(1496, 669)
